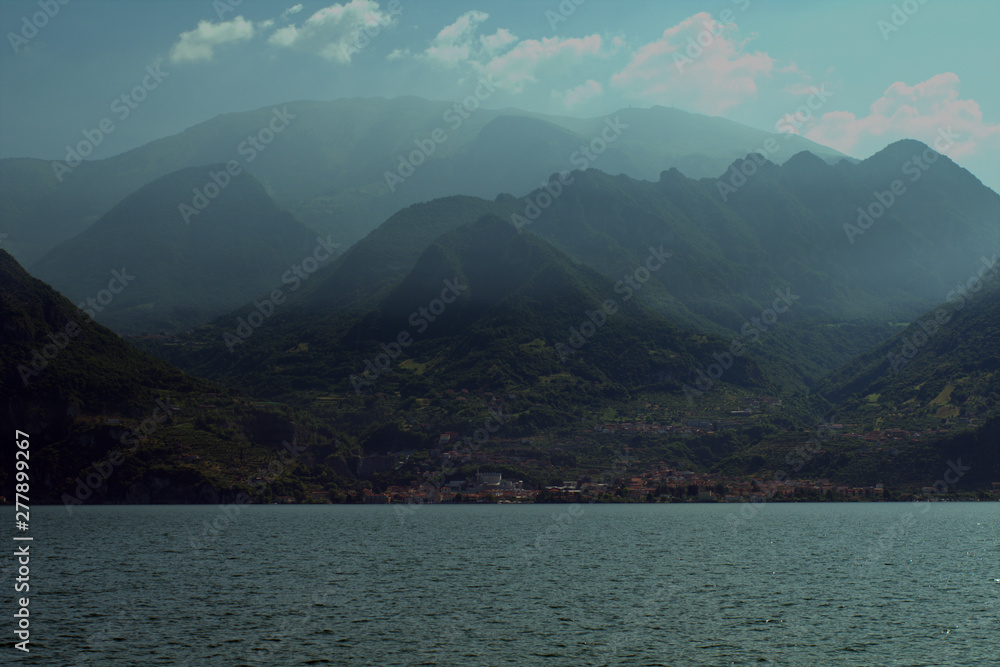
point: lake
(691, 584)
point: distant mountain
(56, 356)
(927, 402)
(519, 302)
(784, 227)
(781, 232)
(365, 272)
(327, 161)
(481, 306)
(945, 365)
(168, 258)
(109, 423)
(795, 222)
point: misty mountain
(481, 306)
(165, 259)
(943, 365)
(785, 227)
(364, 273)
(98, 409)
(782, 231)
(937, 377)
(59, 369)
(327, 162)
(59, 361)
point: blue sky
(887, 70)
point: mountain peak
(899, 151)
(201, 240)
(759, 160)
(805, 160)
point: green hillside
(150, 266)
(731, 261)
(520, 298)
(130, 427)
(943, 367)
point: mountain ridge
(328, 165)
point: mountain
(788, 221)
(327, 162)
(362, 274)
(779, 234)
(920, 410)
(108, 423)
(945, 365)
(785, 227)
(481, 306)
(168, 257)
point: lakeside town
(638, 453)
(627, 480)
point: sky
(853, 75)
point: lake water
(785, 584)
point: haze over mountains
(686, 268)
(100, 407)
(778, 233)
(183, 269)
(326, 162)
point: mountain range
(329, 163)
(109, 423)
(517, 276)
(729, 259)
(182, 268)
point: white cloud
(454, 44)
(335, 32)
(511, 62)
(574, 96)
(294, 9)
(700, 64)
(531, 59)
(497, 41)
(200, 43)
(916, 112)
